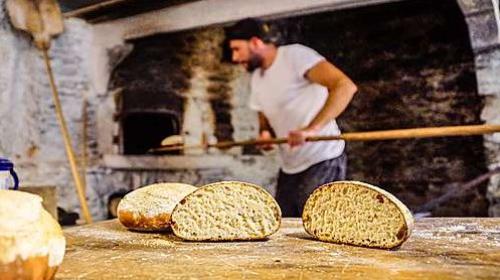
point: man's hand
(298, 137)
(265, 135)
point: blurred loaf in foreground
(32, 244)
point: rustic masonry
(435, 75)
(485, 40)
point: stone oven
(148, 76)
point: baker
(297, 94)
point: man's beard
(254, 62)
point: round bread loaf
(356, 213)
(32, 244)
(149, 208)
(226, 211)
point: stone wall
(30, 133)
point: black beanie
(247, 28)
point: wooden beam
(145, 162)
(220, 12)
(93, 8)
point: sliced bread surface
(226, 211)
(357, 213)
(149, 208)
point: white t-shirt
(290, 101)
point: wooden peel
(425, 132)
(43, 20)
(40, 18)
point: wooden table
(439, 248)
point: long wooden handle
(67, 141)
(425, 132)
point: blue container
(8, 175)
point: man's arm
(265, 131)
(340, 92)
(263, 123)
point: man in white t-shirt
(297, 94)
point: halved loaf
(149, 208)
(357, 213)
(226, 211)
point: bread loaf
(357, 213)
(226, 211)
(149, 208)
(32, 244)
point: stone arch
(484, 35)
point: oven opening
(143, 131)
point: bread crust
(139, 222)
(32, 268)
(403, 233)
(149, 208)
